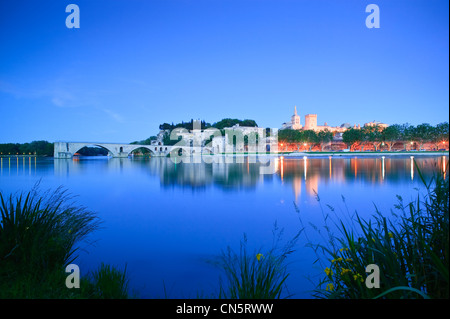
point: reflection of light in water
(382, 166)
(329, 157)
(276, 164)
(356, 166)
(297, 184)
(444, 168)
(281, 167)
(304, 165)
(412, 167)
(18, 169)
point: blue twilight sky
(134, 64)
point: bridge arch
(148, 147)
(81, 146)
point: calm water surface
(168, 222)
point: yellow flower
(337, 260)
(391, 235)
(328, 271)
(358, 277)
(344, 271)
(259, 256)
(330, 287)
(348, 260)
(342, 249)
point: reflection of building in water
(305, 174)
(219, 172)
(444, 166)
(297, 186)
(296, 171)
(311, 185)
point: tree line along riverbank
(42, 148)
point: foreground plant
(109, 282)
(411, 251)
(39, 232)
(39, 236)
(255, 275)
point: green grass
(39, 236)
(256, 275)
(411, 250)
(108, 282)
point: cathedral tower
(295, 120)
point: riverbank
(297, 154)
(334, 154)
(369, 154)
(14, 156)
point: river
(168, 222)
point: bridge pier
(61, 150)
(120, 155)
(63, 155)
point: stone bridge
(68, 149)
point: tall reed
(411, 250)
(256, 275)
(109, 282)
(38, 237)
